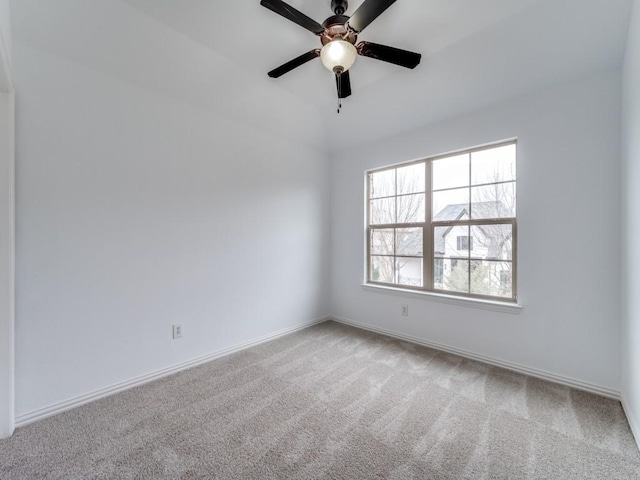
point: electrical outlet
(177, 330)
(404, 310)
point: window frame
(429, 227)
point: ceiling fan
(338, 35)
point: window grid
(432, 262)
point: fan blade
(290, 13)
(403, 58)
(343, 82)
(367, 13)
(295, 63)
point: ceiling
(215, 54)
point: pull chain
(338, 75)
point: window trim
(471, 302)
(429, 226)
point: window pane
(455, 275)
(454, 242)
(383, 184)
(493, 242)
(451, 205)
(450, 172)
(438, 271)
(382, 241)
(409, 242)
(411, 208)
(383, 211)
(409, 271)
(494, 201)
(440, 235)
(382, 269)
(457, 241)
(491, 278)
(411, 179)
(493, 165)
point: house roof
(480, 209)
(492, 233)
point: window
(445, 224)
(464, 242)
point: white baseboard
(570, 382)
(633, 420)
(60, 407)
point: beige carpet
(333, 402)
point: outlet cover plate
(177, 330)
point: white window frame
(429, 226)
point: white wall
(631, 225)
(568, 227)
(5, 25)
(6, 226)
(135, 211)
(6, 265)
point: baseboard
(633, 420)
(551, 377)
(60, 407)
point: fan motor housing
(336, 26)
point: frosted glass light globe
(338, 56)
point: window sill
(497, 306)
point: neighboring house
(486, 245)
(459, 251)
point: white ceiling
(216, 54)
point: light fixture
(339, 37)
(338, 56)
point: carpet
(333, 402)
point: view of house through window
(446, 224)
